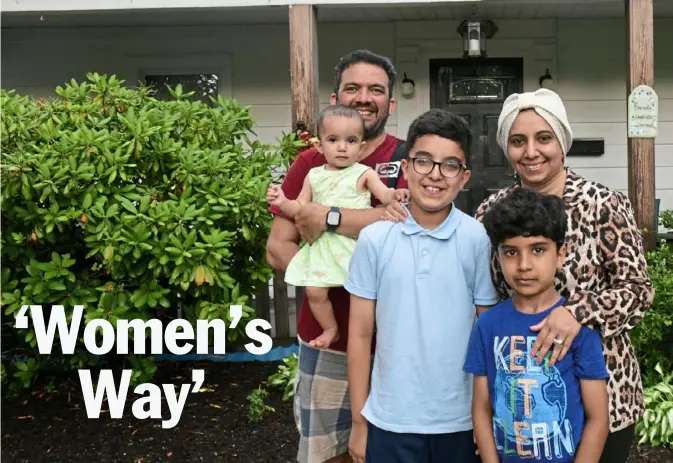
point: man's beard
(379, 125)
(376, 129)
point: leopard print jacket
(604, 280)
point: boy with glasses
(421, 282)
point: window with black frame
(203, 85)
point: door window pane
(476, 89)
(478, 83)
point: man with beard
(364, 81)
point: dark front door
(476, 89)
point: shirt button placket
(424, 267)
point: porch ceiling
(492, 9)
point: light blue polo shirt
(426, 284)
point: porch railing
(279, 303)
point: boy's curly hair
(524, 212)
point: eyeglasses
(448, 169)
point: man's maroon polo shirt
(307, 326)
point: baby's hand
(275, 195)
(402, 195)
(394, 212)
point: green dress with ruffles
(325, 262)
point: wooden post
(262, 303)
(640, 151)
(304, 65)
(281, 307)
(299, 292)
(305, 88)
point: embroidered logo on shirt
(388, 169)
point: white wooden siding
(585, 57)
(338, 10)
(592, 83)
(87, 5)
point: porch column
(640, 151)
(305, 106)
(304, 65)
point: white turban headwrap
(547, 104)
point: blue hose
(274, 355)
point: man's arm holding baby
(276, 197)
(311, 219)
(283, 242)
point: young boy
(524, 410)
(421, 282)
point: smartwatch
(333, 219)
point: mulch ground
(214, 426)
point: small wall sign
(643, 112)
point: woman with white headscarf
(604, 277)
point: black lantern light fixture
(408, 86)
(475, 32)
(545, 77)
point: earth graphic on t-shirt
(532, 397)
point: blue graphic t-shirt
(537, 409)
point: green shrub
(284, 377)
(257, 408)
(666, 219)
(132, 206)
(656, 427)
(653, 337)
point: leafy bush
(653, 341)
(284, 377)
(257, 408)
(653, 337)
(656, 427)
(666, 219)
(133, 207)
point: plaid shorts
(322, 408)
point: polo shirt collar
(443, 232)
